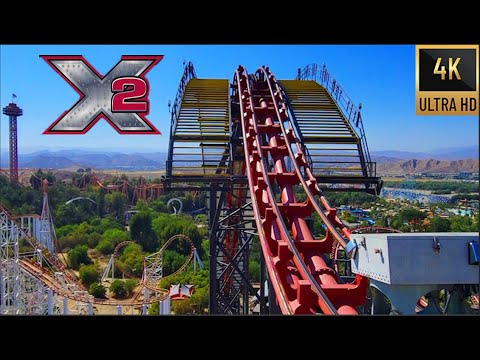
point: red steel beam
(300, 277)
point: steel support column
(212, 216)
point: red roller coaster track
(301, 278)
(141, 191)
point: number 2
(126, 90)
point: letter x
(96, 93)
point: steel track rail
(330, 219)
(296, 274)
(245, 95)
(287, 266)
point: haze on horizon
(381, 77)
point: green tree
(69, 214)
(117, 287)
(199, 300)
(105, 247)
(160, 207)
(318, 229)
(116, 203)
(110, 239)
(93, 240)
(78, 256)
(166, 226)
(141, 231)
(396, 222)
(141, 205)
(132, 260)
(65, 230)
(101, 203)
(438, 224)
(89, 274)
(347, 216)
(474, 226)
(206, 249)
(72, 240)
(461, 223)
(413, 216)
(103, 224)
(201, 219)
(97, 290)
(130, 285)
(153, 309)
(254, 270)
(172, 261)
(182, 307)
(115, 236)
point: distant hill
(427, 166)
(451, 160)
(398, 155)
(468, 152)
(456, 153)
(91, 160)
(134, 160)
(384, 159)
(49, 162)
(113, 160)
(77, 158)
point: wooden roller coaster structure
(53, 274)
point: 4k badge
(120, 97)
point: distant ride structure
(80, 198)
(13, 112)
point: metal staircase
(331, 130)
(200, 131)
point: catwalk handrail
(296, 129)
(351, 112)
(188, 73)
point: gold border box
(445, 97)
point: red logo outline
(155, 131)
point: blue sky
(381, 77)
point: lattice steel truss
(47, 233)
(10, 282)
(153, 269)
(232, 231)
(33, 295)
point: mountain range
(74, 159)
(454, 153)
(464, 159)
(413, 166)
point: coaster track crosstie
(245, 144)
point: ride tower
(13, 112)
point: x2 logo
(120, 97)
